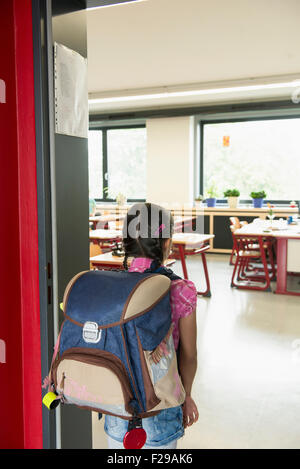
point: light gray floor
(248, 381)
(247, 386)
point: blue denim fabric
(161, 429)
(91, 297)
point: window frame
(104, 130)
(203, 122)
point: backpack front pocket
(161, 365)
(93, 379)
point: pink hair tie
(159, 229)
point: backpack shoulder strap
(156, 268)
(160, 269)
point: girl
(147, 238)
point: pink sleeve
(183, 297)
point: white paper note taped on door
(71, 92)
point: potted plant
(211, 198)
(232, 196)
(198, 200)
(258, 198)
(121, 198)
(271, 213)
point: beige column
(170, 160)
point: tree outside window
(253, 156)
(117, 163)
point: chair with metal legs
(235, 224)
(242, 277)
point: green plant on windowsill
(212, 192)
(232, 193)
(199, 200)
(232, 196)
(120, 198)
(258, 198)
(211, 195)
(258, 195)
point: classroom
(108, 105)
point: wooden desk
(101, 221)
(107, 261)
(105, 238)
(216, 221)
(105, 234)
(284, 235)
(189, 244)
(186, 244)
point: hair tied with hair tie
(159, 229)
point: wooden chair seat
(250, 253)
(256, 246)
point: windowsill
(220, 207)
(249, 207)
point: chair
(244, 276)
(95, 250)
(235, 224)
(252, 244)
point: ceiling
(155, 46)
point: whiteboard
(71, 92)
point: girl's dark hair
(146, 228)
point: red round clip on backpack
(135, 437)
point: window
(117, 163)
(252, 156)
(95, 164)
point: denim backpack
(115, 352)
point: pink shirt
(183, 295)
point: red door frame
(20, 374)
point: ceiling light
(114, 4)
(171, 94)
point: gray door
(63, 206)
(71, 206)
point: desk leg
(264, 261)
(185, 274)
(281, 265)
(182, 258)
(207, 292)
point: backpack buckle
(134, 423)
(91, 334)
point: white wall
(70, 30)
(170, 160)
